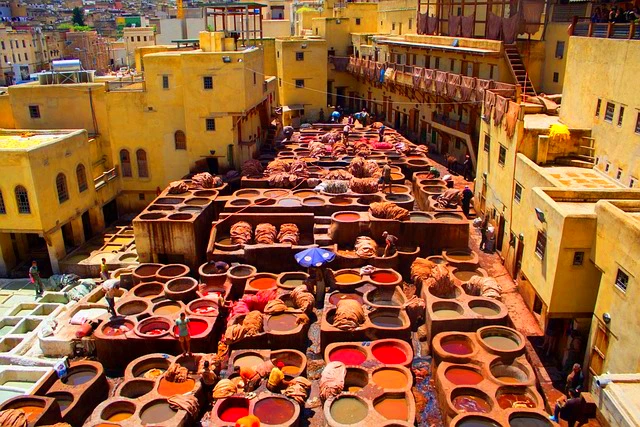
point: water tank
(66, 65)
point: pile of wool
(265, 233)
(364, 185)
(241, 233)
(289, 233)
(388, 210)
(252, 168)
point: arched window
(61, 186)
(22, 200)
(141, 157)
(81, 175)
(180, 140)
(3, 208)
(125, 163)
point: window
(598, 105)
(632, 182)
(165, 82)
(541, 244)
(138, 38)
(599, 350)
(578, 257)
(437, 63)
(81, 176)
(207, 82)
(299, 56)
(34, 111)
(125, 163)
(487, 142)
(357, 22)
(3, 209)
(299, 83)
(622, 280)
(210, 124)
(255, 80)
(638, 123)
(140, 196)
(141, 158)
(26, 57)
(559, 49)
(61, 186)
(24, 44)
(607, 166)
(22, 200)
(451, 64)
(608, 113)
(144, 38)
(410, 23)
(619, 174)
(517, 196)
(620, 115)
(2, 44)
(393, 26)
(180, 140)
(556, 77)
(502, 156)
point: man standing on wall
(34, 275)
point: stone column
(7, 255)
(96, 216)
(78, 231)
(55, 247)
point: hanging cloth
(422, 23)
(364, 67)
(489, 103)
(389, 74)
(428, 79)
(510, 28)
(454, 25)
(441, 82)
(494, 26)
(500, 109)
(432, 25)
(372, 71)
(352, 64)
(511, 118)
(466, 88)
(453, 84)
(481, 86)
(531, 13)
(380, 72)
(505, 89)
(467, 25)
(417, 76)
(358, 65)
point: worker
(335, 116)
(381, 133)
(208, 378)
(248, 421)
(385, 179)
(110, 287)
(104, 269)
(321, 116)
(276, 380)
(249, 376)
(34, 275)
(390, 242)
(221, 267)
(184, 335)
(287, 131)
(467, 195)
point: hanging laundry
(504, 89)
(432, 25)
(481, 86)
(512, 118)
(441, 82)
(467, 25)
(501, 106)
(428, 79)
(489, 103)
(422, 23)
(510, 28)
(531, 13)
(417, 76)
(454, 25)
(453, 84)
(494, 26)
(466, 88)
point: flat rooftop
(539, 121)
(24, 140)
(582, 178)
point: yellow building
(49, 200)
(22, 52)
(302, 78)
(136, 37)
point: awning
(294, 107)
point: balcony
(105, 178)
(453, 124)
(127, 84)
(583, 27)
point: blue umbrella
(314, 257)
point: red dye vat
(196, 327)
(471, 403)
(463, 376)
(337, 297)
(347, 217)
(389, 353)
(513, 400)
(205, 310)
(459, 347)
(156, 332)
(348, 356)
(263, 283)
(233, 414)
(384, 277)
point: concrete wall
(276, 28)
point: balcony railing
(132, 84)
(453, 124)
(583, 27)
(105, 178)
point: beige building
(90, 48)
(135, 38)
(22, 52)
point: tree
(78, 16)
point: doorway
(340, 95)
(212, 165)
(86, 225)
(110, 212)
(501, 231)
(518, 261)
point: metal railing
(105, 178)
(136, 84)
(453, 124)
(583, 27)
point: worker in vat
(249, 376)
(110, 288)
(221, 267)
(248, 421)
(390, 242)
(381, 133)
(467, 195)
(183, 334)
(104, 269)
(287, 131)
(385, 179)
(276, 381)
(208, 378)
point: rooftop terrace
(25, 140)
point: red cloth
(428, 79)
(441, 82)
(504, 89)
(432, 25)
(481, 86)
(511, 118)
(500, 109)
(510, 28)
(417, 76)
(489, 103)
(531, 13)
(494, 26)
(467, 25)
(454, 25)
(453, 84)
(466, 88)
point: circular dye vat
(80, 376)
(313, 201)
(153, 326)
(386, 321)
(282, 322)
(117, 328)
(240, 202)
(390, 378)
(465, 275)
(393, 408)
(348, 410)
(169, 388)
(340, 201)
(463, 376)
(225, 241)
(515, 400)
(477, 422)
(347, 217)
(508, 380)
(275, 193)
(348, 356)
(292, 283)
(339, 296)
(460, 255)
(241, 271)
(289, 202)
(32, 411)
(305, 193)
(485, 310)
(446, 313)
(348, 278)
(248, 361)
(196, 327)
(167, 308)
(157, 412)
(274, 410)
(419, 217)
(262, 283)
(389, 353)
(384, 277)
(501, 342)
(64, 399)
(120, 416)
(528, 420)
(471, 403)
(457, 346)
(234, 413)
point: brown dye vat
(203, 307)
(529, 419)
(153, 208)
(171, 271)
(275, 193)
(500, 339)
(340, 201)
(134, 389)
(153, 327)
(169, 200)
(446, 216)
(383, 318)
(240, 202)
(64, 399)
(262, 201)
(156, 411)
(181, 289)
(168, 388)
(304, 193)
(153, 216)
(282, 322)
(313, 201)
(145, 273)
(295, 363)
(248, 360)
(289, 202)
(463, 376)
(513, 373)
(355, 380)
(336, 297)
(385, 297)
(367, 200)
(484, 308)
(197, 201)
(397, 198)
(464, 275)
(447, 310)
(246, 193)
(117, 327)
(291, 280)
(205, 193)
(181, 217)
(513, 397)
(420, 217)
(475, 421)
(132, 307)
(118, 411)
(167, 308)
(148, 289)
(274, 410)
(138, 367)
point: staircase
(518, 70)
(584, 158)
